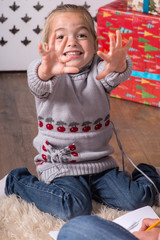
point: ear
(96, 45)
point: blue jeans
(93, 228)
(71, 196)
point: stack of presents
(141, 20)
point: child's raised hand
(53, 61)
(115, 59)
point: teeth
(72, 53)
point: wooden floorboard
(138, 127)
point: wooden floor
(138, 127)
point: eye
(82, 35)
(60, 37)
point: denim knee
(71, 207)
(65, 198)
(140, 199)
(79, 207)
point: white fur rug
(23, 221)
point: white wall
(14, 55)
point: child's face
(80, 45)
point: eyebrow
(78, 28)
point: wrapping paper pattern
(144, 84)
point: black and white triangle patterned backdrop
(21, 22)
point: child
(71, 84)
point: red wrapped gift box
(144, 84)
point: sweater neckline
(83, 72)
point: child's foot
(2, 186)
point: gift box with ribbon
(144, 84)
(146, 6)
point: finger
(112, 41)
(102, 74)
(62, 46)
(52, 41)
(147, 222)
(129, 44)
(102, 55)
(71, 70)
(65, 59)
(41, 50)
(118, 39)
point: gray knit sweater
(74, 127)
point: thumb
(71, 70)
(102, 74)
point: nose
(72, 41)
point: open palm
(53, 61)
(115, 59)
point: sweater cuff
(112, 80)
(36, 85)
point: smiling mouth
(74, 53)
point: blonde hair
(68, 8)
